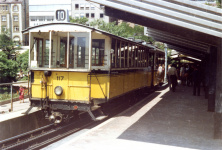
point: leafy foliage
(123, 30)
(82, 20)
(8, 68)
(219, 3)
(22, 60)
(7, 45)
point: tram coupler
(56, 117)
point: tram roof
(26, 31)
(188, 26)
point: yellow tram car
(75, 67)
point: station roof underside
(188, 27)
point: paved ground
(17, 106)
(163, 120)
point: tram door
(39, 51)
(63, 52)
(81, 46)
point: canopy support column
(218, 100)
(212, 78)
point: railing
(11, 89)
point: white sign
(60, 15)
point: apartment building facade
(13, 16)
(92, 11)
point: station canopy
(186, 26)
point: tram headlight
(58, 90)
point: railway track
(46, 135)
(43, 136)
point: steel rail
(24, 134)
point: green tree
(82, 20)
(6, 44)
(123, 30)
(219, 3)
(23, 60)
(8, 66)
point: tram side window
(133, 56)
(118, 54)
(122, 54)
(126, 55)
(151, 55)
(71, 52)
(113, 52)
(81, 45)
(98, 46)
(130, 55)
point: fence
(6, 91)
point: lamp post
(165, 74)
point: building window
(87, 7)
(41, 18)
(16, 40)
(15, 8)
(98, 47)
(15, 18)
(4, 28)
(76, 6)
(49, 18)
(33, 18)
(92, 15)
(92, 8)
(101, 15)
(16, 28)
(102, 6)
(87, 15)
(76, 16)
(6, 7)
(3, 17)
(82, 7)
(82, 15)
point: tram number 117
(60, 78)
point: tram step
(101, 118)
(95, 107)
(96, 114)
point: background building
(13, 15)
(43, 11)
(92, 11)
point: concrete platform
(164, 120)
(17, 106)
(15, 122)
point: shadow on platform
(176, 119)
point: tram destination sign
(60, 15)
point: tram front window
(68, 50)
